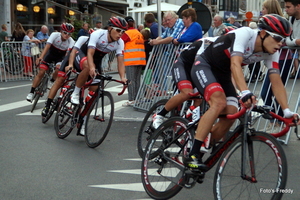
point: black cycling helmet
(118, 22)
(67, 27)
(275, 24)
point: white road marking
(18, 86)
(17, 104)
(136, 187)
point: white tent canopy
(153, 8)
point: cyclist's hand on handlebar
(69, 67)
(288, 114)
(124, 80)
(248, 98)
(38, 61)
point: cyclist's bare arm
(238, 76)
(90, 60)
(71, 59)
(121, 68)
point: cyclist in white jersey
(221, 60)
(57, 45)
(100, 43)
(108, 41)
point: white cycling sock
(76, 90)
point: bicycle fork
(247, 142)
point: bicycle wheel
(39, 91)
(146, 129)
(63, 122)
(53, 107)
(270, 168)
(99, 120)
(162, 170)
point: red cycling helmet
(67, 27)
(275, 24)
(118, 22)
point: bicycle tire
(63, 122)
(97, 126)
(146, 129)
(38, 93)
(270, 170)
(162, 171)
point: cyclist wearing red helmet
(89, 52)
(89, 56)
(223, 59)
(57, 45)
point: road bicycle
(146, 128)
(56, 101)
(42, 88)
(249, 160)
(94, 115)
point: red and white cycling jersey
(58, 44)
(239, 42)
(99, 42)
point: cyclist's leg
(61, 77)
(36, 81)
(206, 83)
(182, 79)
(81, 63)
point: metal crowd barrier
(157, 82)
(13, 62)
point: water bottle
(196, 114)
(189, 112)
(89, 96)
(63, 90)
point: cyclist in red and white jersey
(99, 44)
(57, 45)
(221, 60)
(96, 46)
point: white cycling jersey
(56, 41)
(99, 42)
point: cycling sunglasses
(66, 33)
(119, 30)
(276, 37)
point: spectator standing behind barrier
(18, 33)
(3, 34)
(153, 25)
(174, 28)
(292, 9)
(42, 35)
(134, 59)
(50, 26)
(98, 25)
(232, 21)
(285, 63)
(192, 30)
(218, 26)
(26, 51)
(84, 31)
